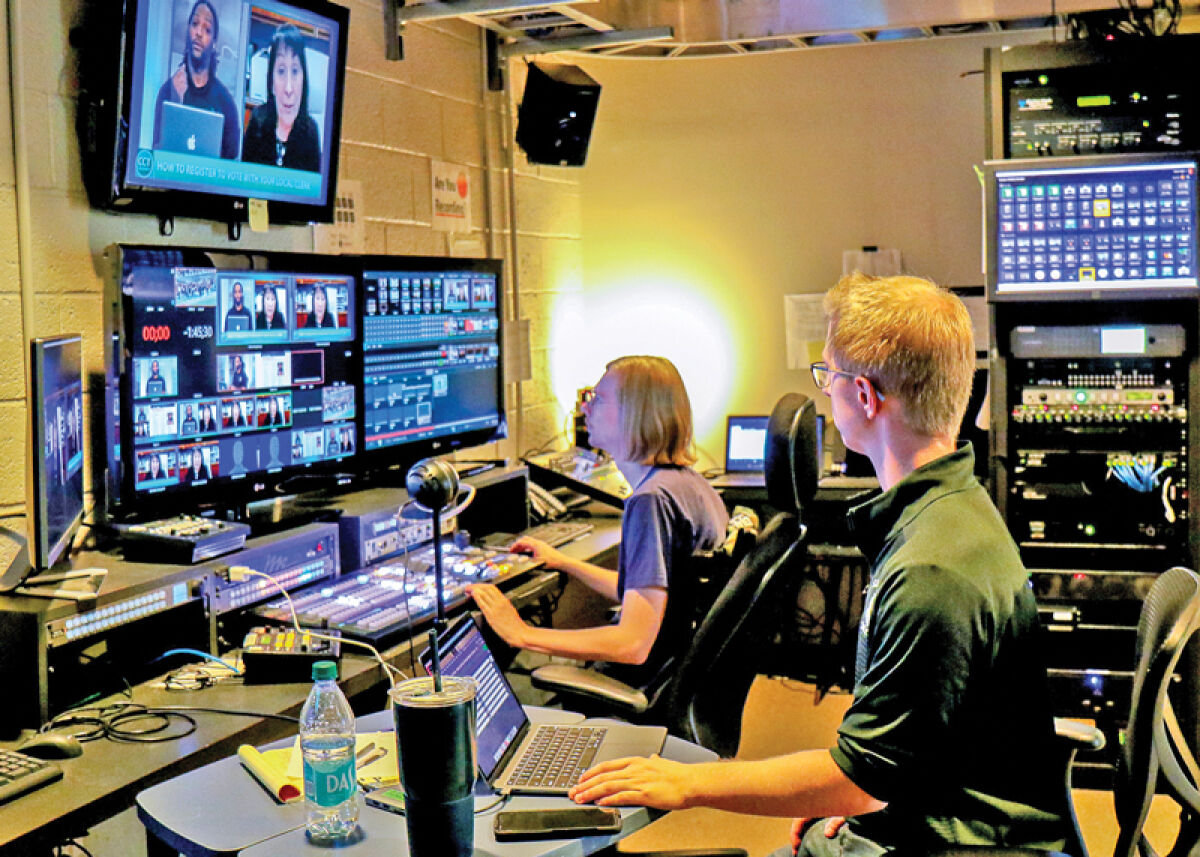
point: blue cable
(200, 654)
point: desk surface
(221, 810)
(108, 776)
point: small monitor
(1096, 227)
(745, 444)
(432, 369)
(56, 410)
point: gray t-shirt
(672, 514)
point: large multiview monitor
(56, 400)
(218, 101)
(239, 373)
(1096, 227)
(432, 368)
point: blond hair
(910, 337)
(655, 412)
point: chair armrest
(578, 681)
(1079, 735)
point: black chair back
(1154, 742)
(704, 700)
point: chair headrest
(791, 453)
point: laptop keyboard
(556, 757)
(20, 773)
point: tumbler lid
(324, 670)
(420, 692)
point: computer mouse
(52, 746)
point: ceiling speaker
(557, 111)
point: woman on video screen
(280, 131)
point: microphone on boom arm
(433, 484)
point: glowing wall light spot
(663, 316)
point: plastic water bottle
(327, 745)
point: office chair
(702, 696)
(1157, 753)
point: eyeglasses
(823, 377)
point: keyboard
(20, 774)
(556, 756)
(555, 533)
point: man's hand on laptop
(499, 612)
(637, 781)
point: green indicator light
(1043, 79)
(1137, 96)
(1081, 396)
(1094, 100)
(1089, 529)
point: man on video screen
(195, 82)
(238, 316)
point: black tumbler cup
(435, 736)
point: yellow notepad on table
(282, 771)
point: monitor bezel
(127, 502)
(990, 171)
(405, 454)
(46, 554)
(125, 195)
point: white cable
(388, 669)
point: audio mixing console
(383, 600)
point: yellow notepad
(376, 766)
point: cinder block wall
(398, 117)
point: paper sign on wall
(451, 197)
(804, 329)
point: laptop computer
(191, 130)
(508, 743)
(745, 453)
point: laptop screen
(499, 717)
(745, 444)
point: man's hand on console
(499, 612)
(539, 550)
(655, 782)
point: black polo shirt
(951, 722)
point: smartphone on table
(563, 823)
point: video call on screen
(235, 373)
(431, 352)
(209, 89)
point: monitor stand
(76, 585)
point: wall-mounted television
(1099, 227)
(192, 107)
(432, 364)
(237, 373)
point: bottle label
(329, 782)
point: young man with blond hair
(948, 738)
(640, 414)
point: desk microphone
(435, 731)
(432, 484)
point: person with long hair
(280, 131)
(639, 413)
